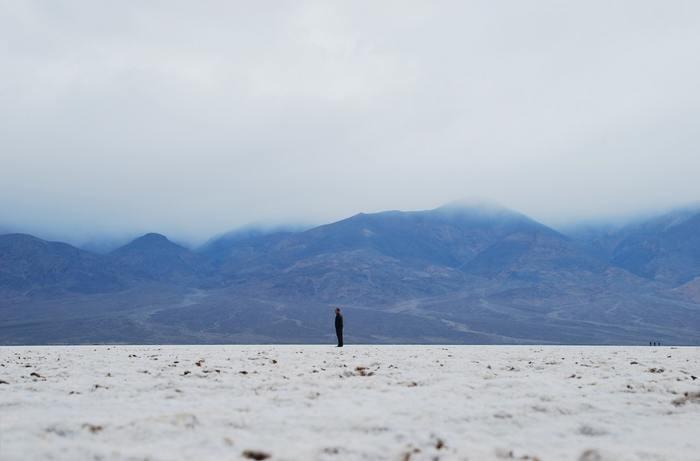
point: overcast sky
(193, 118)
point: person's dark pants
(339, 334)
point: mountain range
(455, 274)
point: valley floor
(359, 402)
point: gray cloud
(191, 118)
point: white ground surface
(313, 403)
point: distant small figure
(339, 326)
(650, 343)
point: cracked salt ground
(364, 402)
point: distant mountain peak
(150, 241)
(480, 210)
(152, 256)
(153, 237)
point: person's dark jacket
(338, 322)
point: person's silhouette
(339, 327)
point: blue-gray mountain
(665, 248)
(450, 275)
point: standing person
(339, 326)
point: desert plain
(360, 402)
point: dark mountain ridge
(448, 236)
(32, 266)
(452, 274)
(665, 248)
(154, 257)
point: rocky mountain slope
(455, 274)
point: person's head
(337, 311)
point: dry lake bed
(360, 402)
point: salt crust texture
(360, 402)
